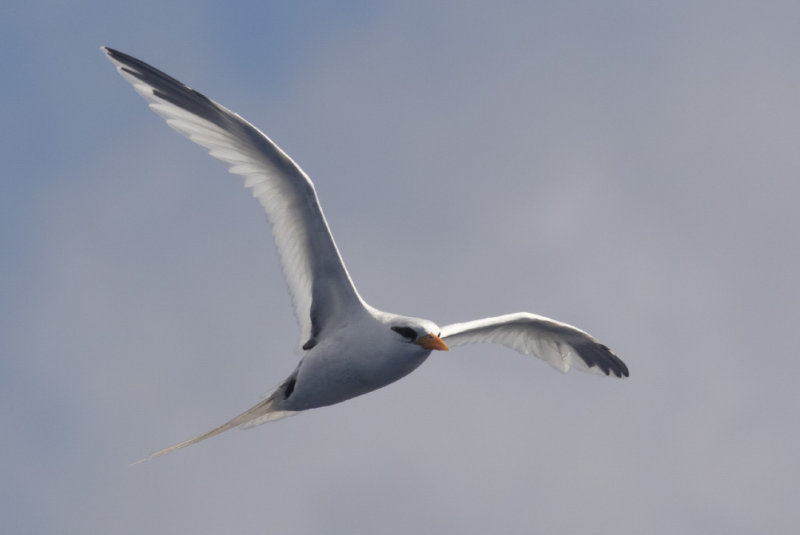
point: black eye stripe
(406, 332)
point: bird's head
(420, 332)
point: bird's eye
(406, 332)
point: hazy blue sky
(628, 167)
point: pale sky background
(628, 167)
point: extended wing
(562, 346)
(318, 281)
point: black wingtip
(169, 89)
(110, 52)
(600, 356)
(616, 365)
(122, 57)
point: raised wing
(318, 281)
(562, 346)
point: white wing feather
(319, 284)
(562, 346)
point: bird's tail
(263, 412)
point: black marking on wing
(315, 322)
(173, 91)
(594, 354)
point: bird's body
(349, 348)
(360, 357)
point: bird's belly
(328, 379)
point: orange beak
(431, 341)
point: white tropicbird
(349, 347)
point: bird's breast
(329, 377)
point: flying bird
(349, 348)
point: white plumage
(349, 347)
